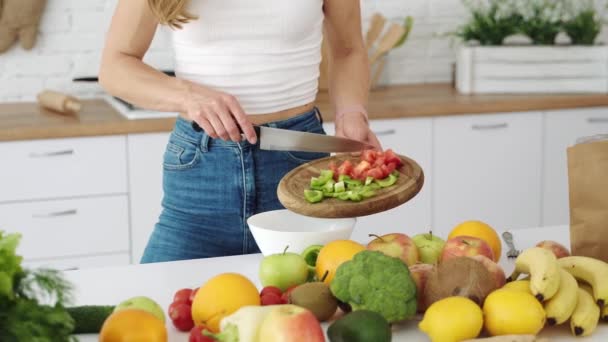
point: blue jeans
(211, 187)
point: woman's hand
(355, 126)
(217, 113)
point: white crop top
(264, 52)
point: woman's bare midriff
(259, 119)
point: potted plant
(514, 46)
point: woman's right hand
(217, 113)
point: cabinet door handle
(478, 127)
(69, 212)
(52, 154)
(385, 132)
(597, 120)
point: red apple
(396, 245)
(494, 269)
(420, 273)
(290, 323)
(466, 246)
(558, 249)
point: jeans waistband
(184, 129)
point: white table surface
(109, 286)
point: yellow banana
(590, 270)
(561, 306)
(541, 265)
(586, 315)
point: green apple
(142, 303)
(429, 247)
(283, 270)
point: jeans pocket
(305, 157)
(181, 154)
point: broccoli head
(376, 282)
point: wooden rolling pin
(59, 102)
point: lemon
(518, 285)
(452, 319)
(513, 312)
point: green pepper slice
(313, 196)
(388, 181)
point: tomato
(376, 173)
(346, 168)
(271, 298)
(391, 157)
(369, 156)
(334, 169)
(183, 295)
(271, 289)
(380, 161)
(196, 335)
(181, 316)
(390, 167)
(360, 169)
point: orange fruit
(482, 231)
(221, 296)
(131, 325)
(333, 255)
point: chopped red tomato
(369, 156)
(334, 169)
(391, 167)
(346, 168)
(391, 157)
(381, 160)
(360, 169)
(376, 173)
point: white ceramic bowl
(274, 230)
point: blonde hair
(171, 12)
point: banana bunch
(541, 264)
(572, 288)
(592, 276)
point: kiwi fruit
(461, 276)
(317, 298)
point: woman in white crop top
(238, 63)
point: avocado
(88, 319)
(360, 326)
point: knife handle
(198, 128)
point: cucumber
(88, 319)
(313, 196)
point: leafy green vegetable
(376, 282)
(10, 263)
(31, 301)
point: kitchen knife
(277, 139)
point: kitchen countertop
(159, 281)
(26, 121)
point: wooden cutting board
(291, 190)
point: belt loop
(319, 115)
(204, 142)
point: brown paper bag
(588, 191)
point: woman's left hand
(355, 126)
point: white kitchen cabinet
(487, 167)
(59, 168)
(562, 129)
(145, 183)
(69, 228)
(412, 138)
(65, 264)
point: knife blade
(277, 139)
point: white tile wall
(72, 36)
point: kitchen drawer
(63, 228)
(42, 169)
(562, 129)
(66, 264)
(487, 167)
